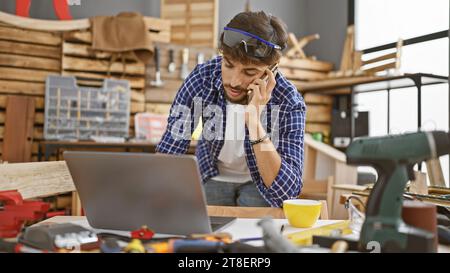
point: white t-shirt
(231, 162)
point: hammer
(157, 82)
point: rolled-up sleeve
(182, 121)
(288, 182)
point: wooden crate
(194, 22)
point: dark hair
(268, 27)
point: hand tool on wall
(157, 82)
(394, 158)
(200, 58)
(171, 67)
(184, 65)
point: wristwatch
(253, 142)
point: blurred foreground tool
(394, 157)
(304, 238)
(135, 246)
(14, 212)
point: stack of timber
(194, 22)
(32, 49)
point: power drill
(394, 157)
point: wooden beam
(18, 134)
(318, 113)
(10, 47)
(135, 82)
(30, 36)
(23, 74)
(30, 62)
(306, 64)
(160, 28)
(380, 58)
(325, 149)
(311, 98)
(245, 212)
(302, 74)
(17, 87)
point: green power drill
(393, 157)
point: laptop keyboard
(217, 222)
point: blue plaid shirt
(205, 84)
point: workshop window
(379, 22)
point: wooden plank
(193, 23)
(137, 107)
(380, 68)
(245, 212)
(30, 36)
(318, 113)
(302, 74)
(165, 94)
(37, 179)
(22, 74)
(325, 149)
(159, 26)
(333, 83)
(80, 64)
(38, 132)
(317, 99)
(84, 50)
(159, 32)
(18, 129)
(158, 108)
(318, 128)
(29, 62)
(306, 64)
(135, 82)
(17, 87)
(38, 118)
(38, 102)
(10, 47)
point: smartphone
(264, 77)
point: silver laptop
(124, 191)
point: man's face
(237, 77)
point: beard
(240, 99)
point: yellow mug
(302, 213)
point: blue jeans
(233, 194)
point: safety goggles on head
(252, 44)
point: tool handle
(185, 55)
(171, 58)
(156, 58)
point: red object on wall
(14, 211)
(60, 6)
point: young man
(251, 150)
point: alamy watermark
(185, 119)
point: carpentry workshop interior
(216, 126)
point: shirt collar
(218, 84)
